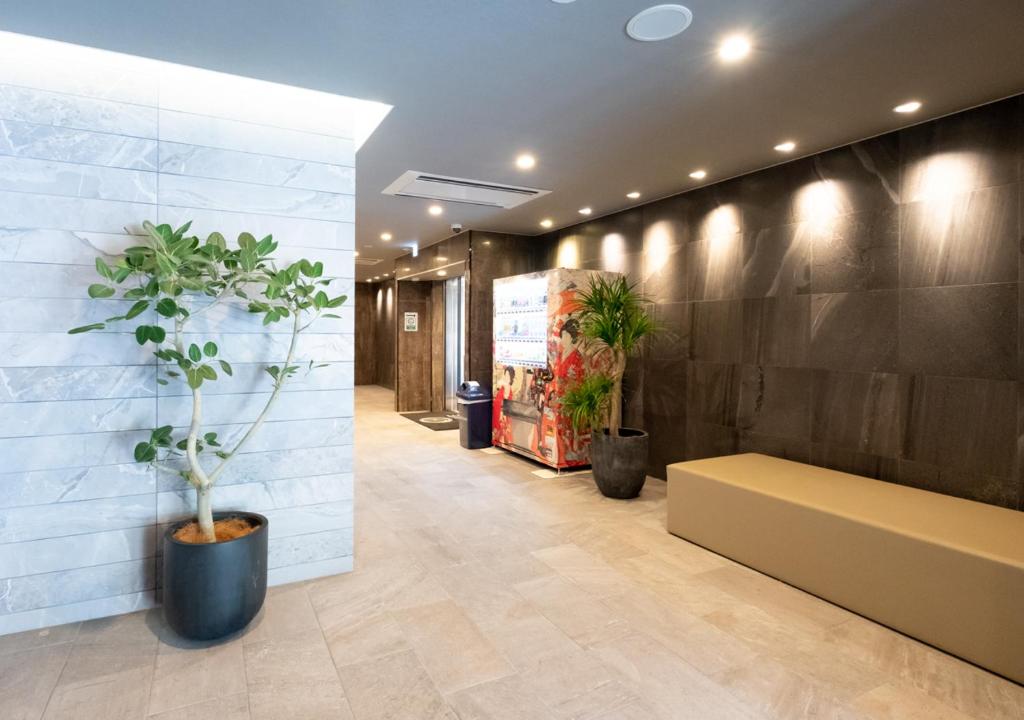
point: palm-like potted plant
(215, 565)
(613, 321)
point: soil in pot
(224, 530)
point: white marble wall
(89, 149)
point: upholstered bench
(947, 571)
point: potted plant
(613, 321)
(215, 565)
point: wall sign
(412, 322)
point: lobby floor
(484, 591)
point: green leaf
(195, 379)
(318, 269)
(161, 381)
(194, 353)
(207, 372)
(167, 307)
(142, 334)
(182, 444)
(103, 269)
(145, 452)
(97, 290)
(211, 439)
(210, 349)
(246, 241)
(137, 309)
(217, 240)
(320, 299)
(157, 334)
(222, 455)
(135, 294)
(86, 328)
(226, 367)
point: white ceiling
(474, 82)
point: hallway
(483, 591)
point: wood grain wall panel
(414, 348)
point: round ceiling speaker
(659, 22)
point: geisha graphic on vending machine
(537, 357)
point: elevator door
(454, 338)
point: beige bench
(947, 571)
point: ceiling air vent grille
(461, 190)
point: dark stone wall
(493, 255)
(365, 335)
(859, 309)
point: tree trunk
(615, 409)
(204, 513)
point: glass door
(454, 339)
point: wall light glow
(613, 252)
(818, 203)
(657, 247)
(568, 254)
(940, 177)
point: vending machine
(538, 355)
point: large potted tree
(613, 321)
(215, 564)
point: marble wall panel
(87, 153)
(855, 331)
(49, 142)
(967, 331)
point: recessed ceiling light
(734, 48)
(788, 146)
(526, 161)
(357, 253)
(442, 273)
(633, 195)
(386, 274)
(659, 22)
(376, 277)
(908, 107)
(699, 174)
(546, 223)
(385, 236)
(435, 210)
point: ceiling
(475, 82)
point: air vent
(452, 189)
(367, 261)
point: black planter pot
(619, 463)
(215, 589)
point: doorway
(454, 339)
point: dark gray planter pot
(216, 589)
(619, 463)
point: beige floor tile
(16, 642)
(781, 694)
(434, 547)
(360, 638)
(451, 647)
(590, 573)
(293, 678)
(122, 695)
(27, 677)
(674, 687)
(479, 592)
(235, 707)
(189, 675)
(286, 612)
(503, 699)
(895, 702)
(395, 687)
(580, 616)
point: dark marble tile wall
(860, 309)
(494, 255)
